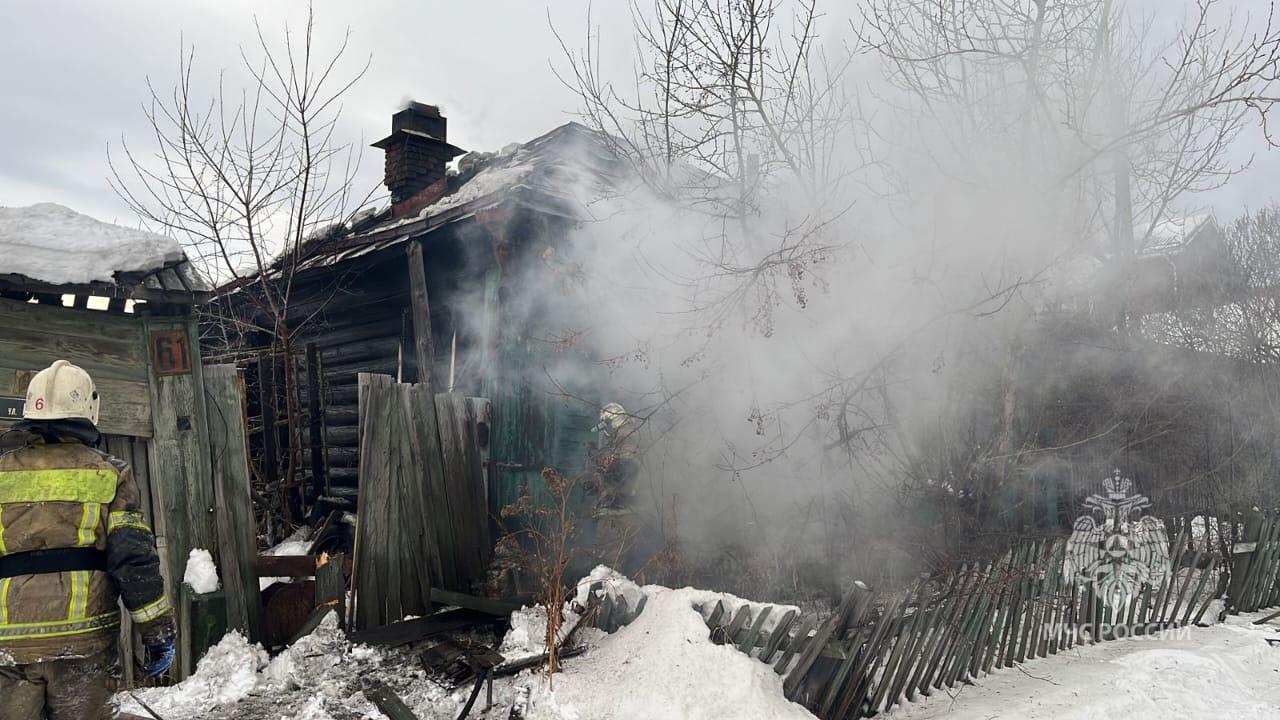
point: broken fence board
(799, 642)
(233, 508)
(777, 636)
(749, 639)
(740, 620)
(717, 614)
(426, 537)
(463, 480)
(841, 618)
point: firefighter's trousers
(73, 689)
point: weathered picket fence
(879, 650)
(1256, 566)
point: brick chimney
(416, 156)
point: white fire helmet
(612, 416)
(59, 392)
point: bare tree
(1124, 118)
(734, 101)
(246, 179)
(1106, 117)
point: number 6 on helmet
(61, 391)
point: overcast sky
(75, 75)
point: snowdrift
(57, 245)
(662, 665)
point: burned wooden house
(428, 289)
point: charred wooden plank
(498, 607)
(423, 340)
(406, 632)
(296, 566)
(388, 702)
(515, 666)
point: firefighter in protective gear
(616, 460)
(72, 541)
(623, 531)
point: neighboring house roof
(45, 247)
(1169, 237)
(557, 173)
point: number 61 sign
(170, 352)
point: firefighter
(72, 541)
(616, 459)
(623, 531)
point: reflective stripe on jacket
(69, 495)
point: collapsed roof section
(51, 249)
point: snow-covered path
(1224, 671)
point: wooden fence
(422, 521)
(1256, 569)
(879, 650)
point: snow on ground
(201, 573)
(316, 679)
(58, 245)
(528, 634)
(1224, 671)
(664, 666)
(226, 675)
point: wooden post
(178, 453)
(315, 412)
(237, 540)
(267, 406)
(423, 340)
(331, 585)
(1243, 560)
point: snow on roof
(571, 164)
(1170, 235)
(54, 244)
(564, 162)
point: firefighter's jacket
(69, 495)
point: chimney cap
(423, 108)
(395, 136)
(423, 121)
